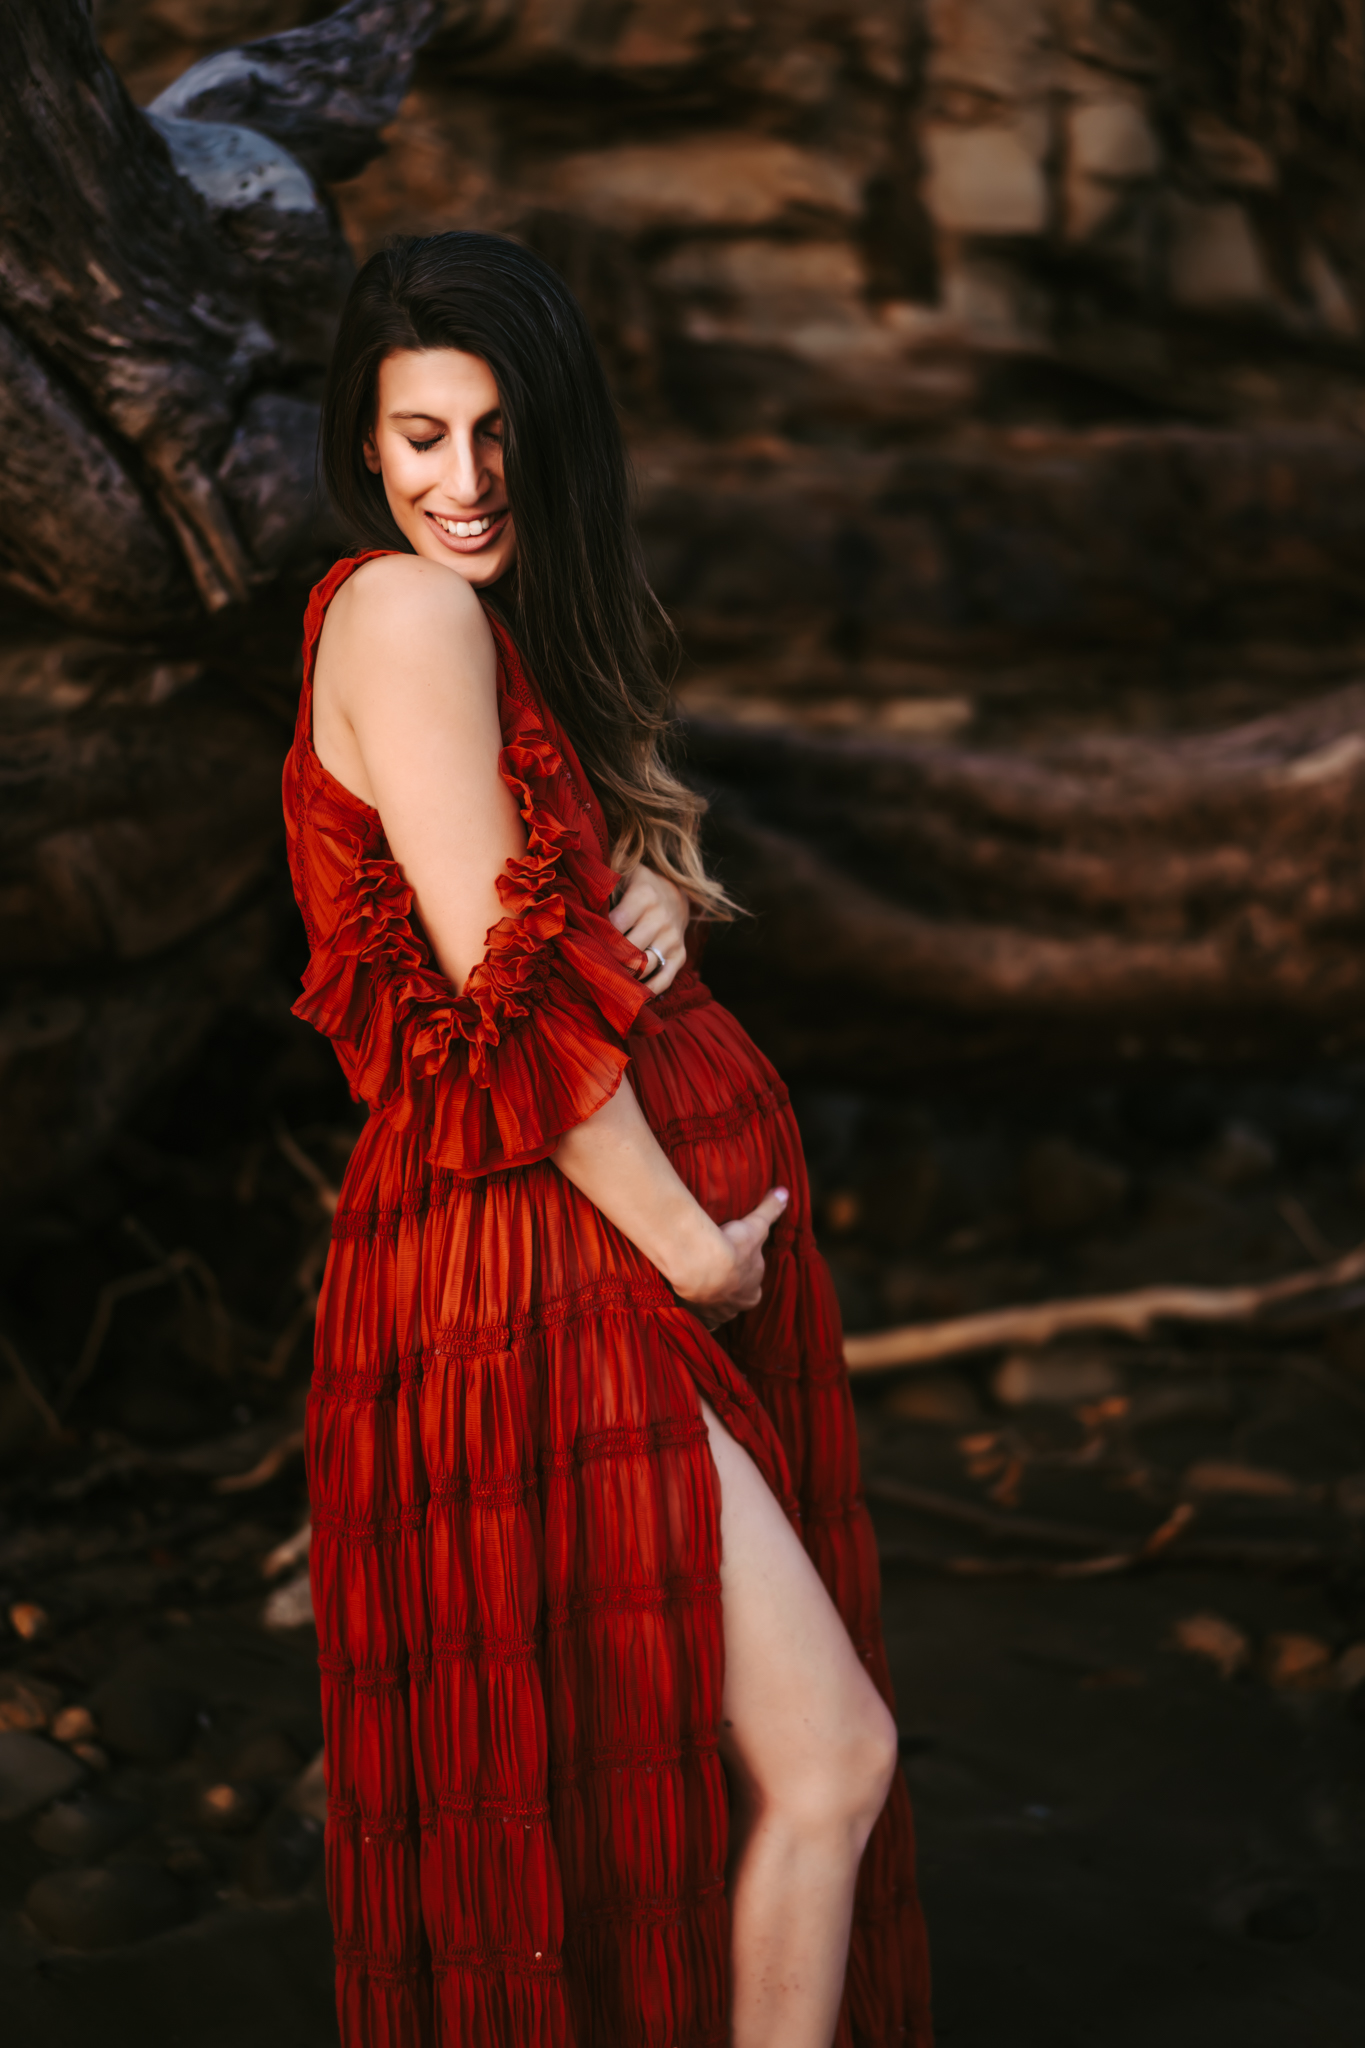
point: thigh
(795, 1693)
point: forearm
(617, 1162)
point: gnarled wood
(1113, 887)
(323, 91)
(108, 263)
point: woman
(597, 1600)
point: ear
(371, 454)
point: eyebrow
(494, 413)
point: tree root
(1130, 1314)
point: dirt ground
(1140, 1787)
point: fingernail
(781, 1194)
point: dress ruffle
(535, 1043)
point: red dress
(515, 1513)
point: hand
(654, 912)
(739, 1286)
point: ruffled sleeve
(535, 1043)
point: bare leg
(810, 1750)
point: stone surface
(88, 1827)
(27, 1705)
(33, 1771)
(106, 1908)
(1110, 145)
(987, 180)
(716, 181)
(285, 1855)
(143, 1713)
(1216, 263)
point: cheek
(403, 472)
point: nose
(466, 478)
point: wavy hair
(591, 630)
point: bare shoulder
(403, 613)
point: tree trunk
(1110, 897)
(168, 291)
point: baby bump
(720, 1112)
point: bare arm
(617, 1162)
(406, 716)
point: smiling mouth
(468, 529)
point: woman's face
(437, 444)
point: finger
(769, 1209)
(649, 929)
(633, 901)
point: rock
(722, 180)
(992, 49)
(1228, 157)
(995, 303)
(284, 1855)
(1112, 138)
(1065, 1190)
(1241, 1155)
(988, 180)
(26, 1704)
(32, 1772)
(1055, 1379)
(87, 1827)
(266, 1756)
(73, 1725)
(228, 1809)
(143, 1714)
(103, 1908)
(942, 1401)
(1297, 1662)
(29, 1621)
(290, 1605)
(1110, 143)
(1216, 265)
(1335, 307)
(1212, 1637)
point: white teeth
(463, 529)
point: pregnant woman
(609, 1757)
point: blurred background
(994, 376)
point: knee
(844, 1790)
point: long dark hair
(589, 627)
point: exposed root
(1131, 1314)
(265, 1469)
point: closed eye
(421, 447)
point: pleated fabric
(516, 1539)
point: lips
(471, 543)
